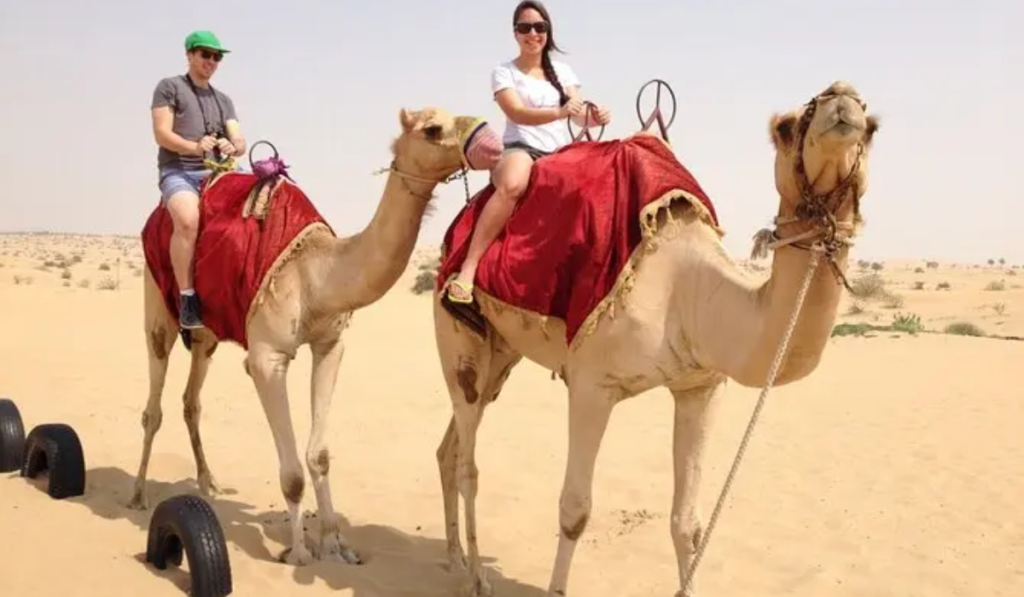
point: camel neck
(366, 266)
(740, 323)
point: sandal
(465, 292)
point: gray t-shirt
(189, 107)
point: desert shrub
(964, 328)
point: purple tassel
(271, 167)
(268, 168)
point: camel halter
(393, 169)
(818, 210)
(479, 149)
(813, 208)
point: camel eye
(432, 132)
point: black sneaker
(189, 316)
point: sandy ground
(894, 470)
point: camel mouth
(845, 129)
(844, 126)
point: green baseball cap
(204, 39)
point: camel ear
(873, 126)
(782, 129)
(407, 119)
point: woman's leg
(511, 176)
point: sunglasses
(216, 56)
(524, 28)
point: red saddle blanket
(234, 251)
(575, 228)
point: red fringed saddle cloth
(235, 250)
(575, 229)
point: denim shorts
(174, 180)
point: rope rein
(818, 210)
(817, 250)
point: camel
(692, 320)
(310, 301)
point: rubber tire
(187, 523)
(55, 447)
(12, 436)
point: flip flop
(466, 290)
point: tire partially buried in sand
(187, 525)
(55, 448)
(12, 436)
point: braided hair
(545, 58)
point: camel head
(821, 155)
(430, 146)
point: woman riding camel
(536, 94)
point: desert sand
(893, 470)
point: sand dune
(894, 470)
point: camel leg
(689, 437)
(326, 360)
(474, 371)
(269, 370)
(447, 459)
(590, 407)
(203, 347)
(160, 339)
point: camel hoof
(457, 562)
(333, 549)
(296, 557)
(478, 587)
(209, 487)
(138, 502)
(345, 556)
(55, 448)
(12, 436)
(186, 524)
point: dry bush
(424, 282)
(868, 287)
(892, 301)
(964, 328)
(106, 283)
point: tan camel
(311, 302)
(693, 319)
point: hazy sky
(324, 82)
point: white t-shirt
(535, 93)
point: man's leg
(182, 203)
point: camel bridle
(819, 210)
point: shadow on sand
(396, 564)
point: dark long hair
(545, 56)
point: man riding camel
(192, 122)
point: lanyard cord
(207, 125)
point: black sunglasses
(217, 56)
(524, 28)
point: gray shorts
(535, 153)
